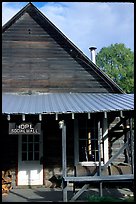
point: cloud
(86, 23)
(99, 24)
(9, 9)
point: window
(88, 140)
(30, 147)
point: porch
(101, 123)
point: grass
(95, 198)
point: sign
(24, 128)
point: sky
(85, 24)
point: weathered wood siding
(36, 59)
(117, 139)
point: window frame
(104, 143)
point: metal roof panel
(65, 102)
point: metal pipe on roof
(93, 54)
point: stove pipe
(92, 50)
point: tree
(117, 62)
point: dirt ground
(41, 194)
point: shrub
(95, 198)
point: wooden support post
(76, 149)
(115, 156)
(99, 152)
(8, 117)
(105, 139)
(101, 192)
(23, 117)
(126, 140)
(121, 114)
(65, 194)
(99, 147)
(89, 116)
(40, 117)
(132, 145)
(76, 143)
(79, 192)
(64, 156)
(73, 116)
(56, 116)
(64, 159)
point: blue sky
(86, 24)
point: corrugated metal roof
(65, 103)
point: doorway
(30, 153)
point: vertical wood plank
(64, 162)
(76, 142)
(132, 144)
(99, 147)
(99, 153)
(105, 139)
(64, 156)
(64, 192)
(126, 140)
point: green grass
(95, 198)
(129, 199)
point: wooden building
(61, 115)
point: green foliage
(95, 198)
(117, 62)
(102, 199)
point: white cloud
(9, 9)
(99, 24)
(87, 23)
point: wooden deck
(87, 179)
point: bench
(86, 179)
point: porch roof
(46, 103)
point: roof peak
(29, 2)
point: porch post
(99, 153)
(76, 143)
(64, 159)
(127, 140)
(132, 144)
(105, 139)
(64, 156)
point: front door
(30, 167)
